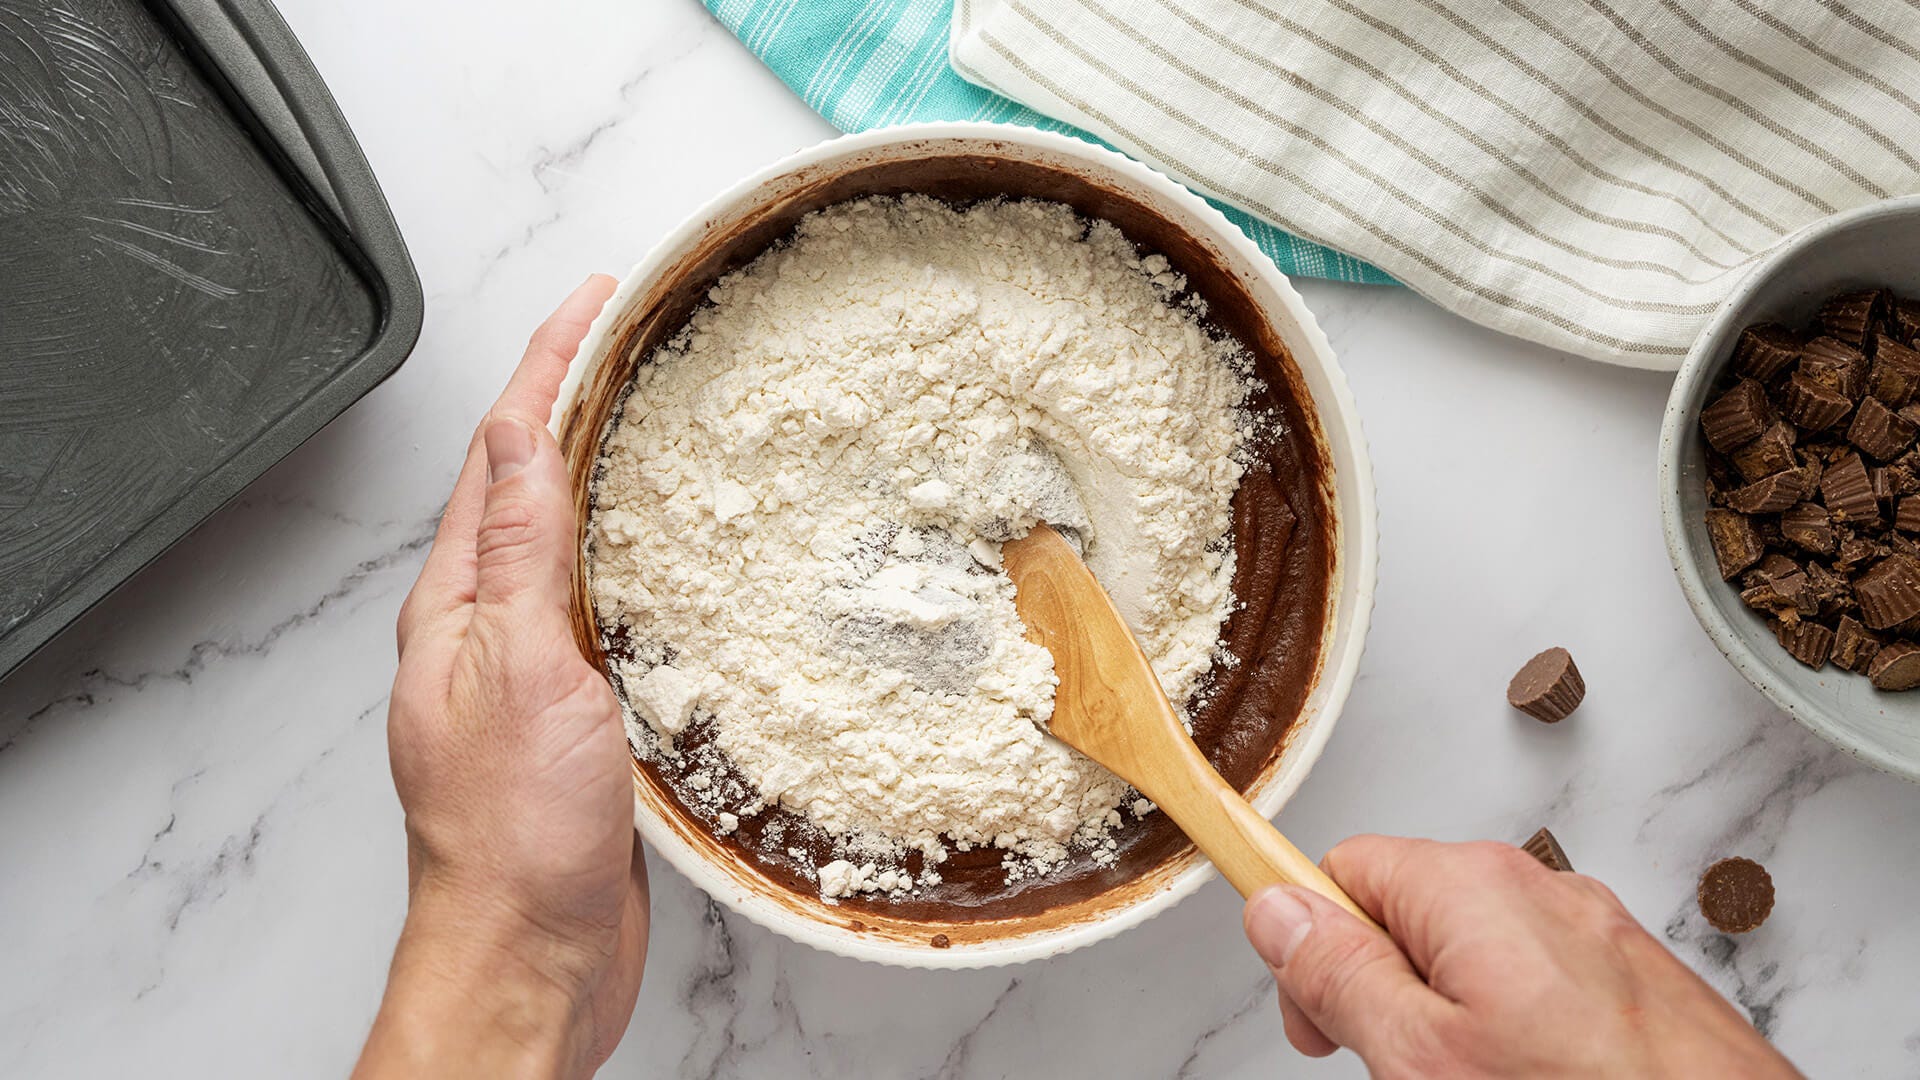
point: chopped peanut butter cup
(1852, 317)
(1812, 476)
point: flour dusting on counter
(796, 531)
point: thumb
(1350, 980)
(525, 549)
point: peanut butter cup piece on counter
(1542, 845)
(1736, 895)
(1737, 417)
(1895, 375)
(1736, 542)
(1812, 406)
(1548, 687)
(1895, 666)
(1765, 350)
(1879, 430)
(1852, 317)
(1889, 593)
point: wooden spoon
(1111, 708)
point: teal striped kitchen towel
(870, 63)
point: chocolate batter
(1281, 533)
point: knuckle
(1504, 861)
(1356, 851)
(1352, 849)
(1596, 889)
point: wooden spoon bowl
(1110, 707)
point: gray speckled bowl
(1877, 245)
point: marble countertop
(202, 870)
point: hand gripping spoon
(1111, 708)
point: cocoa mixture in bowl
(1102, 853)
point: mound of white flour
(796, 526)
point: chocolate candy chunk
(1907, 518)
(1812, 406)
(1775, 493)
(1779, 587)
(1835, 365)
(1903, 318)
(1851, 317)
(1848, 492)
(1772, 452)
(1736, 895)
(1737, 417)
(1879, 430)
(1895, 375)
(1831, 593)
(1857, 551)
(1807, 526)
(940, 941)
(1548, 688)
(1810, 473)
(1765, 351)
(1896, 667)
(1880, 481)
(1854, 645)
(1780, 599)
(1541, 845)
(1806, 641)
(1889, 593)
(1776, 566)
(1792, 591)
(1736, 543)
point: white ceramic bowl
(759, 210)
(1874, 246)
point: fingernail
(510, 446)
(1277, 922)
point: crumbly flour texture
(798, 521)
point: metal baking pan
(197, 272)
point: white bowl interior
(1319, 383)
(1878, 246)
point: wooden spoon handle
(1250, 852)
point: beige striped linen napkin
(1595, 175)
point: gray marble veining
(204, 870)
